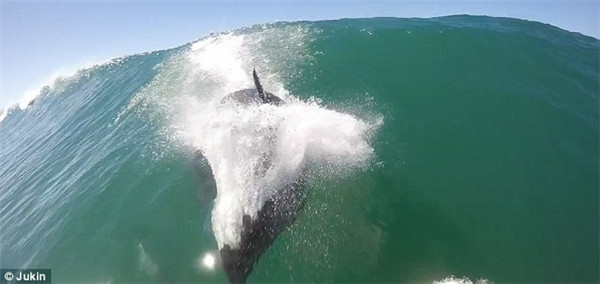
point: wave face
(435, 147)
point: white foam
(462, 280)
(221, 58)
(234, 139)
(188, 90)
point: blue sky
(42, 39)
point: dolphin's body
(276, 214)
(252, 96)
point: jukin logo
(25, 276)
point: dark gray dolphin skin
(252, 96)
(275, 216)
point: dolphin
(276, 214)
(253, 96)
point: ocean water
(447, 149)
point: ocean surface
(456, 146)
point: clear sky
(42, 39)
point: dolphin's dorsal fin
(257, 84)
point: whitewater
(234, 139)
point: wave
(421, 138)
(57, 82)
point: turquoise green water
(485, 163)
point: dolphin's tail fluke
(257, 84)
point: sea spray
(234, 139)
